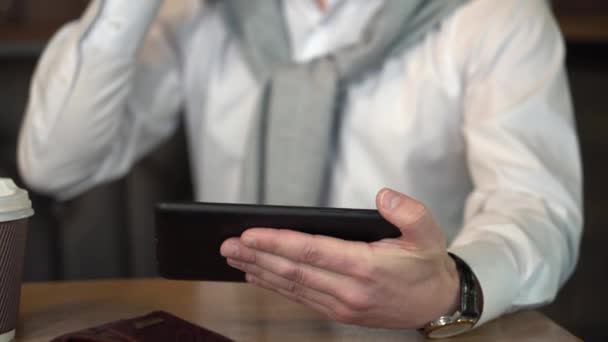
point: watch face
(451, 329)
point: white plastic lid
(15, 203)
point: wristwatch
(469, 311)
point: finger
(295, 289)
(411, 217)
(234, 248)
(318, 301)
(290, 276)
(337, 311)
(326, 311)
(344, 257)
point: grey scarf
(289, 152)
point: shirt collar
(314, 33)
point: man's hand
(393, 283)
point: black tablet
(189, 235)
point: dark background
(107, 232)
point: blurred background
(78, 239)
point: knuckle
(253, 270)
(414, 211)
(365, 272)
(273, 246)
(291, 287)
(251, 257)
(295, 290)
(309, 254)
(358, 301)
(363, 268)
(245, 256)
(294, 273)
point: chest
(414, 94)
(407, 104)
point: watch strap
(469, 308)
(469, 296)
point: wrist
(451, 287)
(468, 310)
(443, 294)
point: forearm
(78, 98)
(521, 248)
(523, 219)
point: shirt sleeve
(105, 91)
(523, 220)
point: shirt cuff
(496, 273)
(118, 26)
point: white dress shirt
(475, 121)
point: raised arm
(106, 90)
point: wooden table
(239, 311)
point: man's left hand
(392, 283)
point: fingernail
(230, 249)
(390, 199)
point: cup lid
(15, 203)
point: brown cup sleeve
(13, 236)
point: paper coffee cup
(15, 210)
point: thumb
(412, 218)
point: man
(461, 105)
